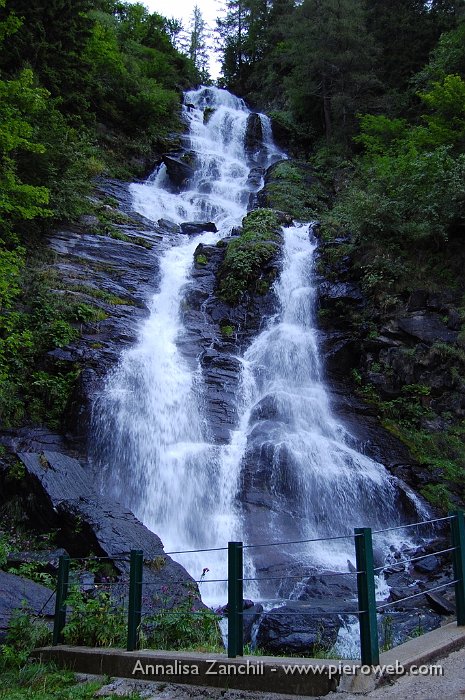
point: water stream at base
(150, 432)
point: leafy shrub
(183, 627)
(95, 620)
(23, 635)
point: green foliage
(23, 635)
(293, 190)
(442, 452)
(227, 330)
(95, 620)
(183, 627)
(33, 570)
(4, 550)
(46, 321)
(247, 265)
(45, 682)
(19, 103)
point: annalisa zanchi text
(213, 667)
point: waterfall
(152, 448)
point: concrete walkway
(450, 686)
(432, 665)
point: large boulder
(253, 140)
(195, 227)
(297, 629)
(17, 593)
(91, 523)
(178, 171)
(427, 327)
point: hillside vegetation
(87, 88)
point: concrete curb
(310, 677)
(407, 658)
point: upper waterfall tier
(220, 188)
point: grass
(35, 681)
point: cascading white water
(315, 474)
(150, 434)
(152, 448)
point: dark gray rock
(195, 227)
(253, 140)
(48, 560)
(169, 226)
(440, 604)
(289, 630)
(178, 171)
(427, 327)
(17, 592)
(418, 300)
(329, 588)
(395, 627)
(88, 522)
(89, 221)
(342, 292)
(341, 352)
(428, 565)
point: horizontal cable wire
(194, 551)
(417, 595)
(317, 539)
(423, 522)
(314, 613)
(407, 561)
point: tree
(231, 29)
(332, 55)
(198, 51)
(51, 40)
(407, 31)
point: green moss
(442, 452)
(86, 313)
(247, 266)
(136, 240)
(227, 330)
(201, 259)
(438, 495)
(292, 190)
(101, 294)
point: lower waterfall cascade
(151, 440)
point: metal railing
(365, 572)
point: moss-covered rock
(250, 262)
(291, 186)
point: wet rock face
(113, 268)
(214, 334)
(15, 591)
(179, 171)
(289, 630)
(194, 227)
(253, 140)
(65, 497)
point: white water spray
(152, 447)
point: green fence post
(59, 620)
(458, 541)
(235, 600)
(135, 598)
(366, 597)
